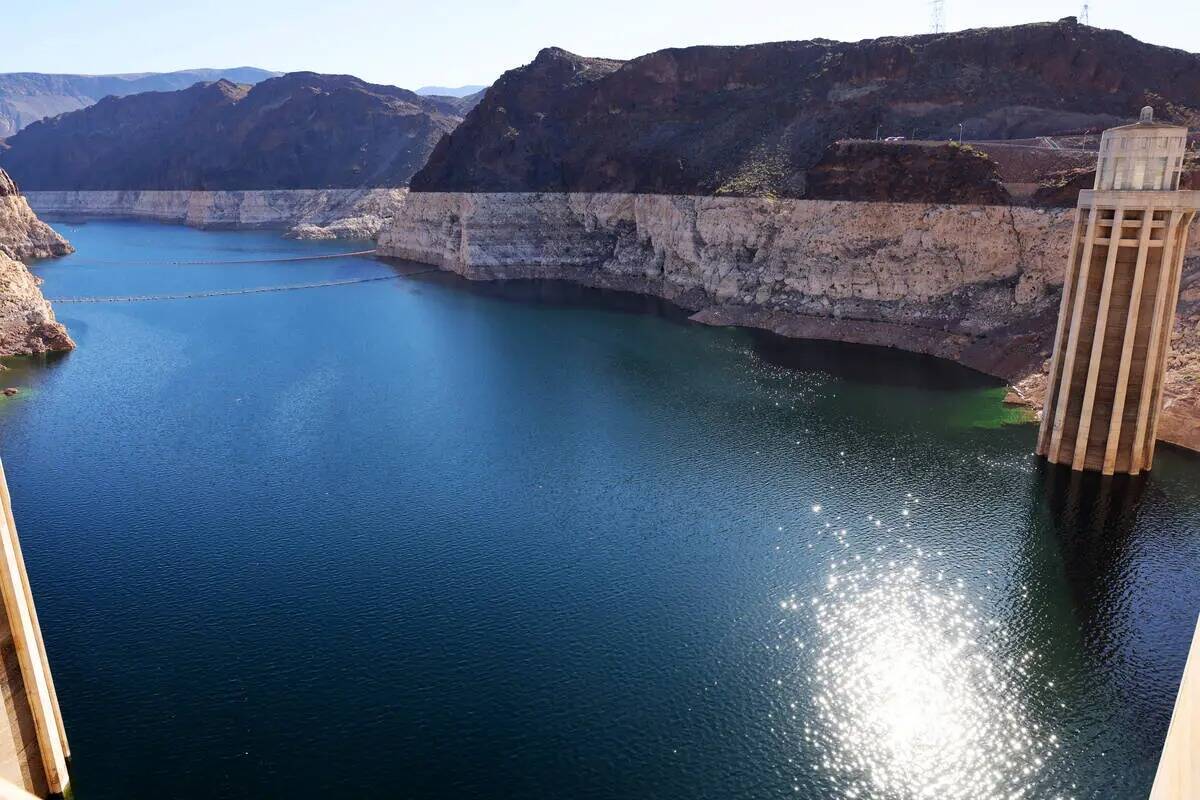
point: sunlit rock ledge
(976, 284)
(301, 213)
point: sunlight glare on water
(912, 694)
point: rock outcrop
(22, 235)
(906, 173)
(302, 213)
(27, 323)
(752, 120)
(298, 131)
(977, 284)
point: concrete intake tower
(1118, 308)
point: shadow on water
(553, 294)
(868, 364)
(1111, 606)
(857, 363)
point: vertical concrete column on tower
(1118, 307)
(33, 742)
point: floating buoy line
(291, 287)
(200, 262)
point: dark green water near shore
(423, 539)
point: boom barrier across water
(291, 287)
(273, 260)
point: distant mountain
(299, 131)
(450, 91)
(26, 97)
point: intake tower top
(1144, 156)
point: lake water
(418, 538)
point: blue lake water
(419, 538)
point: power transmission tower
(937, 16)
(1083, 17)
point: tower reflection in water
(1091, 519)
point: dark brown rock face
(298, 131)
(752, 120)
(906, 173)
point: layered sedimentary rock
(22, 235)
(304, 213)
(298, 131)
(978, 284)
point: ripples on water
(425, 539)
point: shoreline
(299, 213)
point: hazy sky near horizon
(452, 43)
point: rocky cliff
(978, 284)
(298, 131)
(752, 120)
(302, 213)
(22, 235)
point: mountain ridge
(302, 130)
(26, 97)
(708, 119)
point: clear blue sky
(451, 43)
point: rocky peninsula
(27, 323)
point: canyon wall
(304, 213)
(977, 284)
